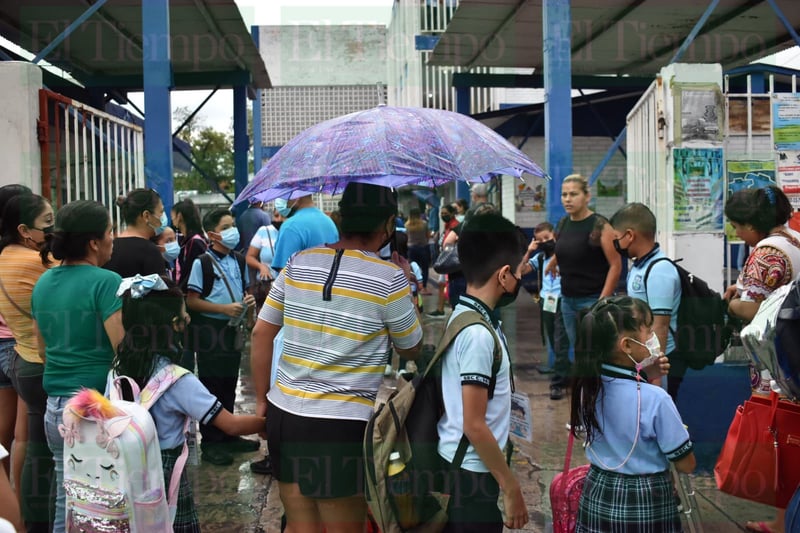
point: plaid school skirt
(617, 503)
(186, 520)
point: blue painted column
(240, 142)
(463, 105)
(258, 154)
(157, 68)
(556, 23)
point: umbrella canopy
(389, 146)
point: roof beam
(182, 80)
(212, 24)
(508, 20)
(709, 26)
(617, 18)
(467, 79)
(68, 31)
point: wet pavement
(231, 498)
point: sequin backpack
(113, 474)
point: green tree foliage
(212, 152)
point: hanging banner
(698, 189)
(786, 121)
(747, 174)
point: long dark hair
(149, 332)
(137, 202)
(598, 333)
(191, 217)
(77, 223)
(762, 208)
(20, 209)
(7, 192)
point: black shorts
(323, 456)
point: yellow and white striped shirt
(341, 311)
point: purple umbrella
(390, 146)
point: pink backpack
(565, 493)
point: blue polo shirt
(663, 293)
(662, 436)
(307, 228)
(219, 292)
(551, 285)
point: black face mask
(548, 247)
(277, 224)
(620, 250)
(509, 297)
(446, 218)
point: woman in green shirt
(78, 318)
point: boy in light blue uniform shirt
(553, 332)
(634, 236)
(210, 331)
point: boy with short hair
(213, 330)
(635, 237)
(543, 246)
(478, 405)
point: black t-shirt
(135, 255)
(581, 262)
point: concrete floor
(232, 499)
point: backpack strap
(454, 328)
(208, 275)
(159, 383)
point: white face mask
(653, 346)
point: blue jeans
(52, 418)
(570, 307)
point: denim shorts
(7, 352)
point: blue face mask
(171, 251)
(229, 238)
(160, 229)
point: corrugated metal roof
(634, 37)
(210, 44)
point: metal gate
(87, 154)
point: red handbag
(565, 493)
(760, 460)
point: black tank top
(581, 262)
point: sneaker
(264, 466)
(436, 314)
(241, 445)
(556, 392)
(215, 455)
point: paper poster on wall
(789, 179)
(747, 174)
(530, 203)
(699, 184)
(701, 112)
(786, 121)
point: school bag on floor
(113, 475)
(406, 423)
(702, 332)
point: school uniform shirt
(307, 228)
(468, 361)
(663, 292)
(186, 397)
(219, 292)
(417, 271)
(551, 285)
(662, 435)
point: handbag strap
(773, 430)
(12, 302)
(269, 236)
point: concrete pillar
(20, 82)
(241, 143)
